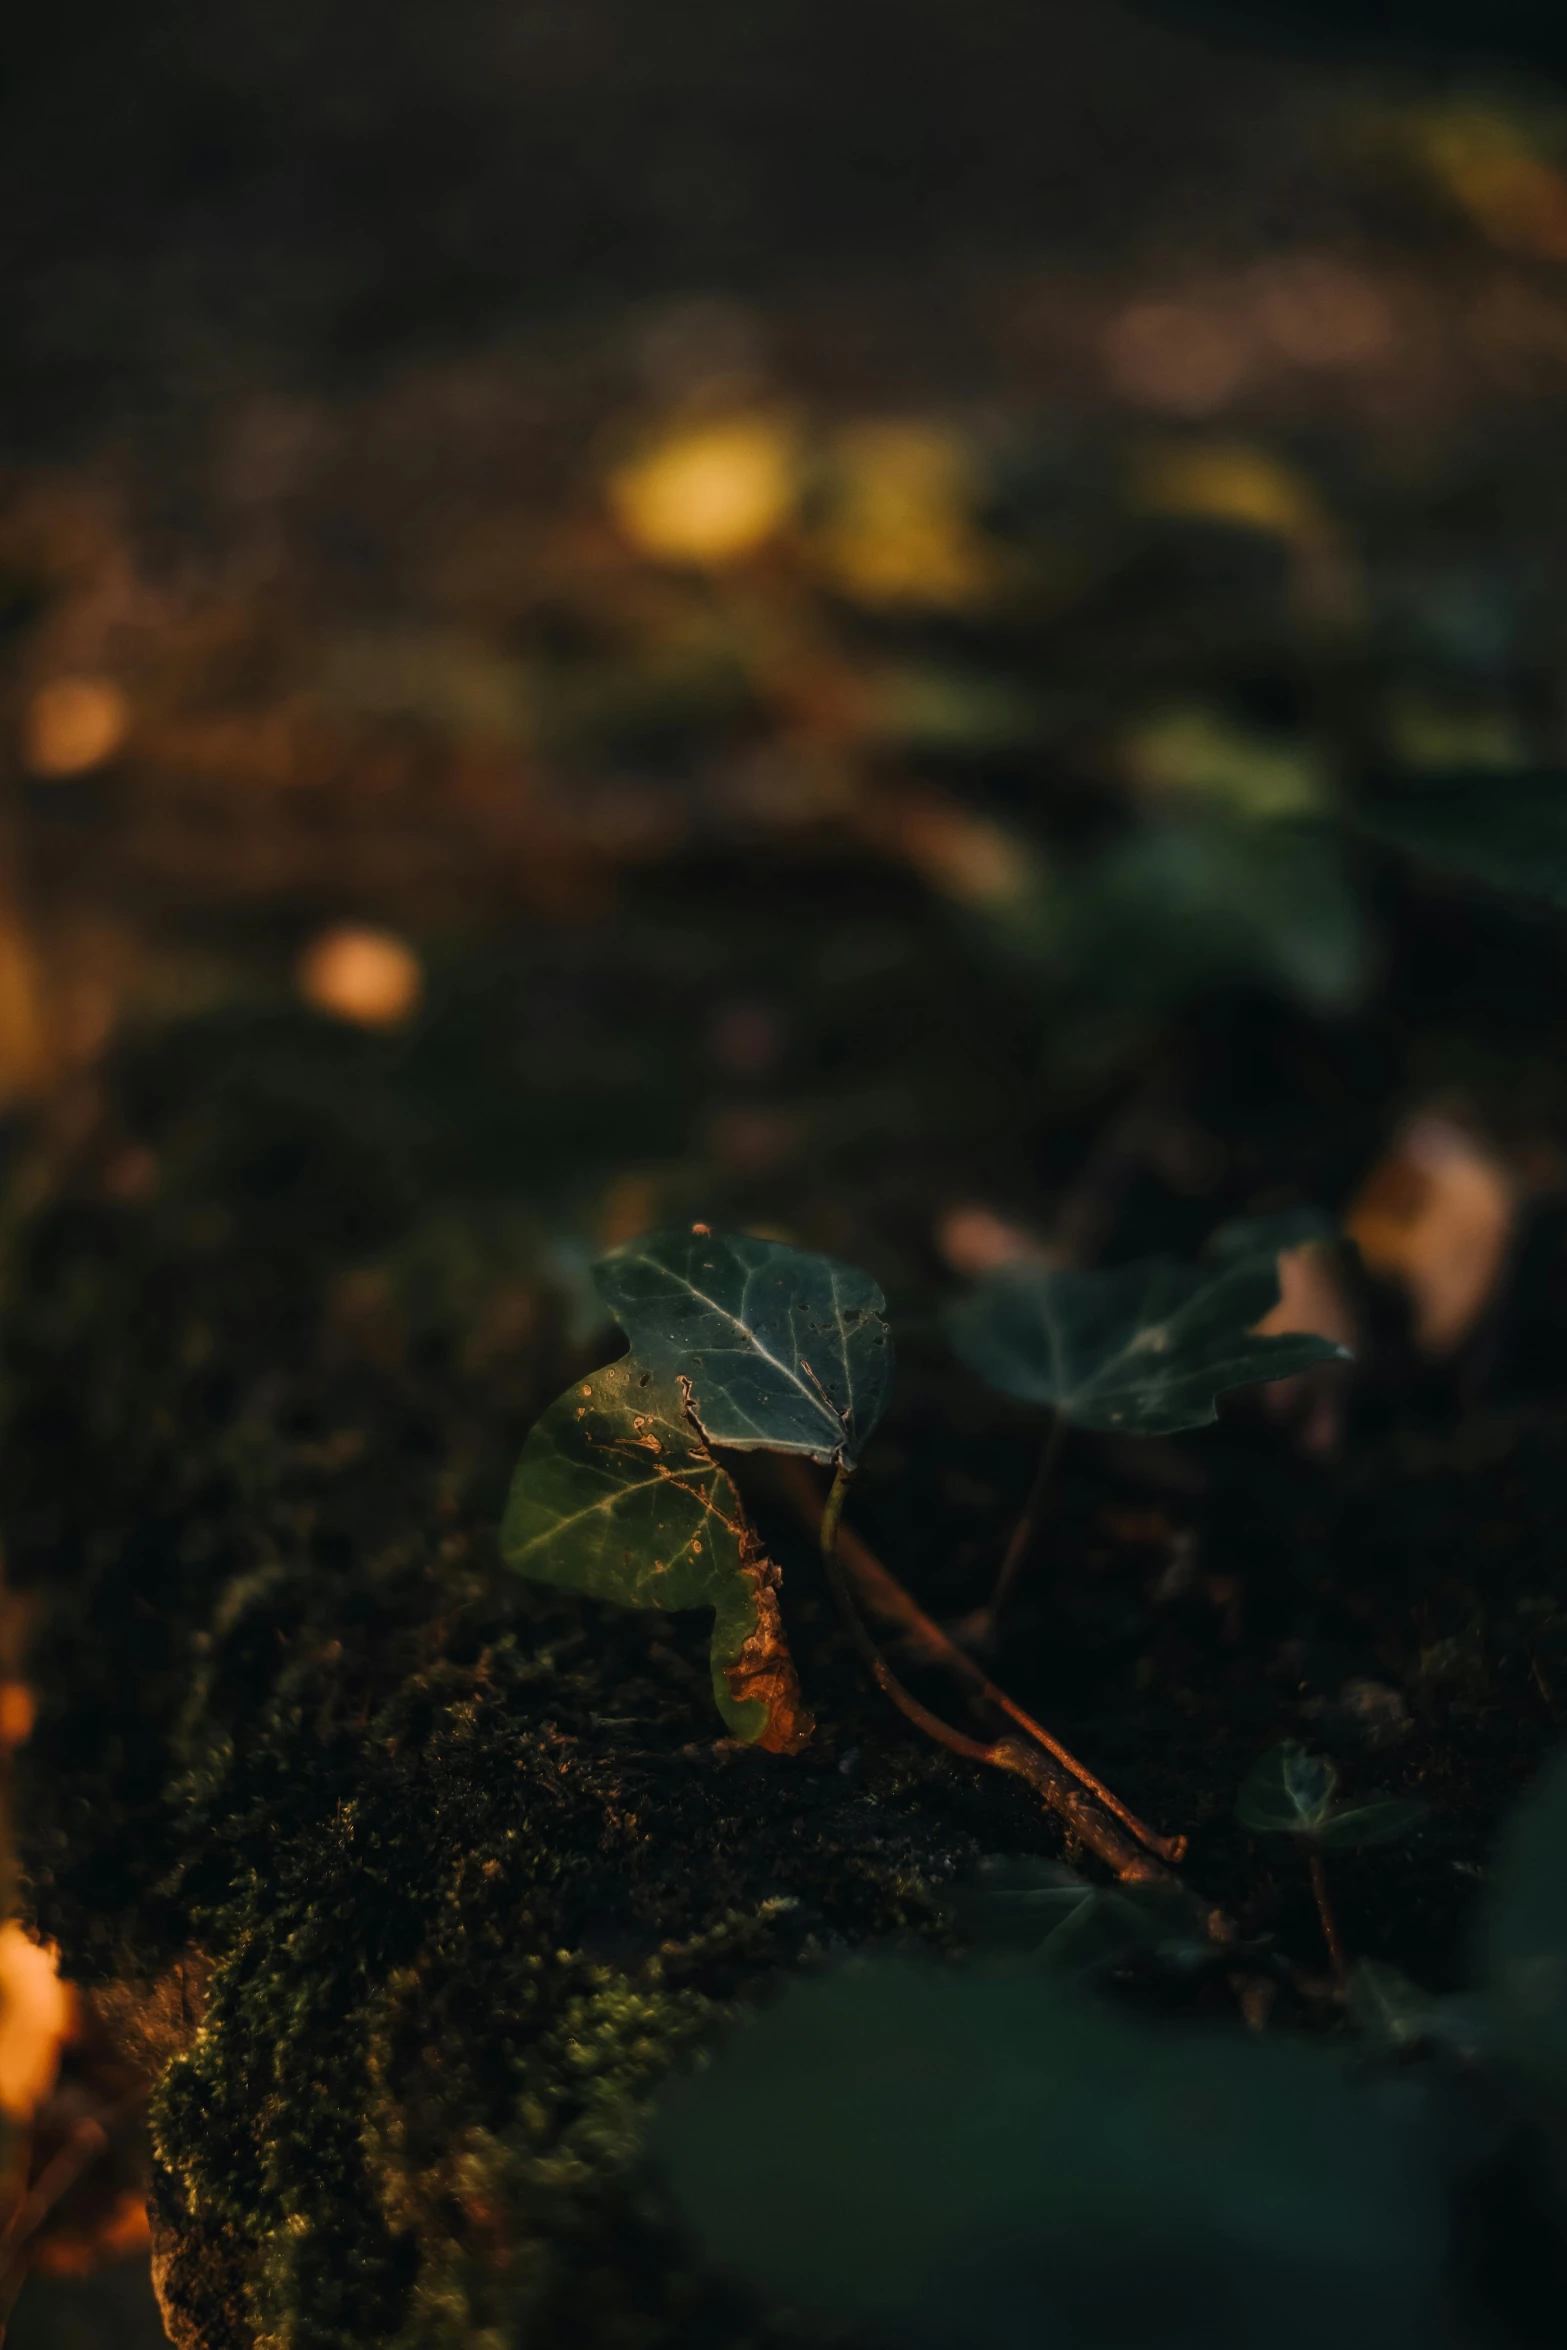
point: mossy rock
(410, 2111)
(425, 1878)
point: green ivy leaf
(1181, 903)
(1144, 1349)
(777, 1349)
(962, 2159)
(617, 1497)
(1386, 2006)
(1120, 1922)
(1016, 1902)
(1382, 1819)
(1506, 829)
(1524, 1929)
(1288, 1793)
(1064, 1922)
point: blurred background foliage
(1074, 575)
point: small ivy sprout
(1395, 2016)
(1291, 1792)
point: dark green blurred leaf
(1183, 903)
(1502, 828)
(1288, 1793)
(986, 2161)
(1144, 1349)
(1524, 1929)
(779, 1350)
(617, 1497)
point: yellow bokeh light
(712, 494)
(1489, 164)
(25, 1044)
(367, 976)
(18, 1711)
(1242, 487)
(1233, 482)
(73, 724)
(37, 2012)
(1204, 755)
(1431, 735)
(903, 530)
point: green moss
(410, 2109)
(461, 1867)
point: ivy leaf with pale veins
(617, 1497)
(777, 1349)
(1143, 1349)
(1067, 1924)
(1288, 1793)
(1381, 1819)
(1291, 1792)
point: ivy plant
(777, 1349)
(1059, 1919)
(737, 1342)
(1291, 1792)
(1137, 1350)
(745, 1344)
(618, 1497)
(1140, 1350)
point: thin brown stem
(1130, 1862)
(885, 1596)
(1073, 1803)
(1027, 1527)
(973, 1749)
(1330, 1933)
